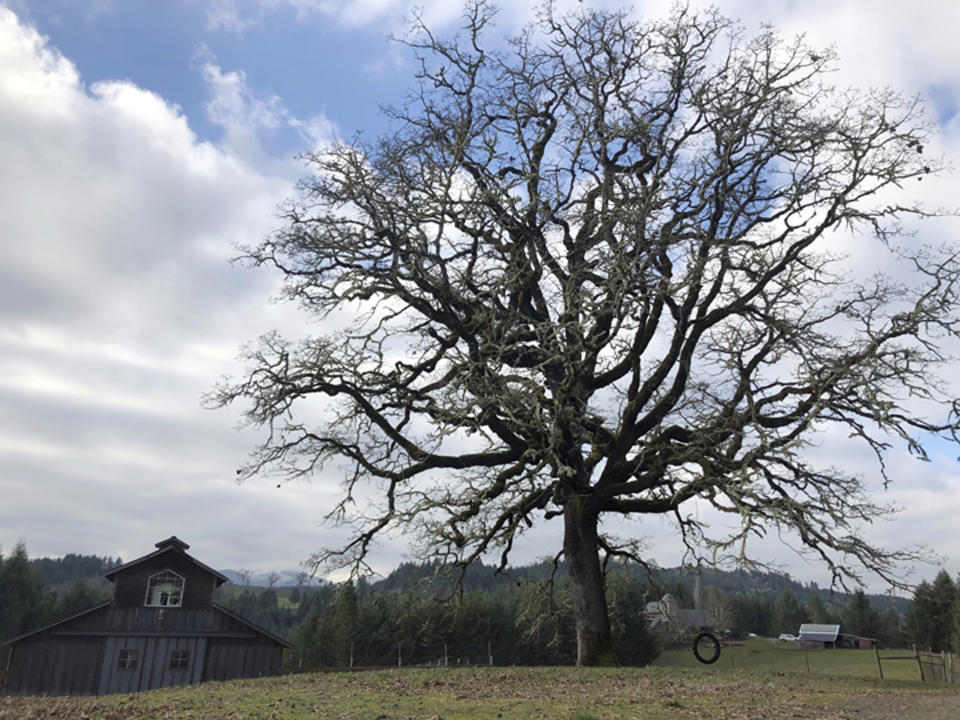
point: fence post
(446, 659)
(876, 649)
(399, 655)
(920, 664)
(489, 653)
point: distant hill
(57, 572)
(288, 578)
(678, 580)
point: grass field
(767, 655)
(655, 693)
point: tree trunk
(581, 550)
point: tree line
(515, 621)
(513, 617)
(28, 599)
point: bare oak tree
(593, 273)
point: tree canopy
(596, 272)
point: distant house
(821, 635)
(161, 628)
(665, 616)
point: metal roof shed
(819, 634)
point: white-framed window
(179, 659)
(165, 589)
(127, 659)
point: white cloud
(118, 310)
(246, 120)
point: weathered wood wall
(228, 659)
(61, 666)
(130, 585)
(81, 656)
(153, 669)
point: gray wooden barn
(161, 628)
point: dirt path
(887, 706)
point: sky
(142, 142)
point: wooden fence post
(876, 649)
(920, 665)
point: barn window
(127, 659)
(179, 659)
(164, 589)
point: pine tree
(23, 604)
(819, 613)
(930, 618)
(861, 618)
(345, 623)
(920, 620)
(892, 633)
(943, 595)
(308, 642)
(787, 613)
(78, 598)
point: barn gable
(132, 581)
(161, 628)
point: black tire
(703, 645)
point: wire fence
(407, 654)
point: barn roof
(819, 633)
(216, 606)
(171, 544)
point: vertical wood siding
(68, 666)
(81, 656)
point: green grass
(656, 693)
(765, 655)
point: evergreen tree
(78, 598)
(23, 604)
(930, 618)
(819, 613)
(955, 621)
(861, 618)
(920, 619)
(633, 641)
(943, 597)
(787, 613)
(752, 613)
(308, 640)
(892, 634)
(345, 623)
